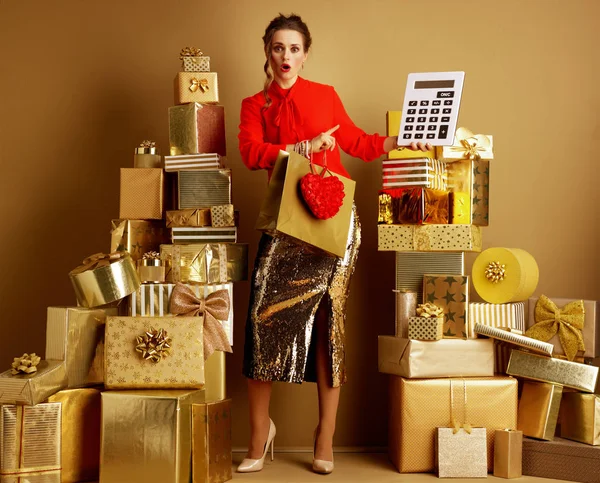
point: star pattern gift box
(451, 292)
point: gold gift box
(202, 87)
(211, 443)
(206, 262)
(185, 235)
(429, 238)
(469, 184)
(393, 119)
(451, 293)
(426, 328)
(137, 237)
(533, 345)
(142, 194)
(76, 335)
(510, 316)
(444, 358)
(538, 409)
(215, 387)
(126, 368)
(195, 63)
(146, 436)
(197, 128)
(472, 448)
(30, 441)
(51, 377)
(508, 452)
(425, 172)
(413, 206)
(419, 406)
(80, 415)
(580, 417)
(204, 188)
(222, 216)
(545, 369)
(189, 217)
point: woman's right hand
(324, 141)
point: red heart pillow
(324, 196)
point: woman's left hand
(391, 143)
(420, 146)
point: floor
(350, 468)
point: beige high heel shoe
(249, 465)
(322, 467)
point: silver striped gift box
(411, 266)
(204, 188)
(203, 234)
(193, 161)
(425, 172)
(497, 315)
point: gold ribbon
(154, 345)
(469, 145)
(495, 272)
(214, 307)
(455, 424)
(567, 321)
(429, 310)
(98, 260)
(201, 84)
(189, 52)
(147, 144)
(26, 364)
(151, 256)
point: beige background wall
(83, 82)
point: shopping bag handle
(312, 165)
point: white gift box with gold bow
(466, 145)
(202, 87)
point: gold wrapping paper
(211, 442)
(222, 216)
(51, 377)
(469, 184)
(137, 237)
(215, 387)
(406, 304)
(443, 358)
(539, 368)
(51, 477)
(580, 417)
(538, 409)
(30, 440)
(508, 452)
(197, 128)
(425, 172)
(105, 283)
(204, 188)
(202, 87)
(419, 406)
(206, 262)
(76, 335)
(146, 436)
(459, 208)
(151, 274)
(533, 345)
(185, 235)
(147, 156)
(196, 63)
(590, 332)
(142, 194)
(466, 145)
(510, 316)
(189, 217)
(429, 238)
(462, 454)
(415, 205)
(80, 449)
(451, 292)
(425, 328)
(393, 119)
(127, 369)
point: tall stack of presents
(132, 387)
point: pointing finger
(332, 130)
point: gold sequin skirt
(289, 283)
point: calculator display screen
(434, 84)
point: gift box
(533, 345)
(538, 409)
(429, 238)
(406, 305)
(149, 353)
(222, 216)
(451, 292)
(30, 441)
(202, 87)
(425, 328)
(411, 266)
(466, 145)
(147, 156)
(425, 172)
(50, 377)
(189, 217)
(561, 460)
(206, 262)
(192, 60)
(184, 162)
(204, 188)
(215, 387)
(203, 234)
(76, 336)
(142, 194)
(154, 301)
(104, 278)
(211, 443)
(580, 417)
(151, 268)
(510, 316)
(508, 452)
(146, 436)
(197, 128)
(393, 119)
(414, 206)
(556, 371)
(469, 183)
(419, 406)
(444, 358)
(471, 445)
(80, 434)
(137, 237)
(554, 319)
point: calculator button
(407, 136)
(443, 133)
(424, 103)
(420, 128)
(435, 111)
(445, 119)
(433, 119)
(410, 119)
(422, 111)
(412, 103)
(445, 94)
(419, 136)
(421, 119)
(436, 103)
(411, 111)
(430, 135)
(408, 128)
(446, 111)
(447, 103)
(431, 127)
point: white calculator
(430, 110)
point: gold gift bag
(284, 211)
(508, 452)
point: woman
(296, 289)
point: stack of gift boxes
(456, 367)
(133, 385)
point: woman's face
(287, 56)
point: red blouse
(296, 114)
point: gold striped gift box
(533, 345)
(193, 161)
(425, 172)
(204, 188)
(203, 234)
(510, 315)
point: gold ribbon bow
(469, 145)
(429, 310)
(201, 84)
(455, 424)
(214, 307)
(189, 52)
(153, 345)
(26, 364)
(147, 144)
(98, 260)
(567, 321)
(151, 256)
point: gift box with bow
(193, 60)
(201, 87)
